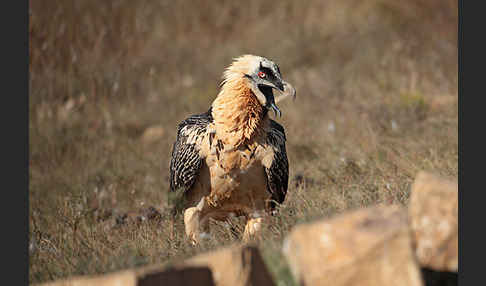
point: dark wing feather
(186, 161)
(278, 173)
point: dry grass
(377, 101)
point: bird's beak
(286, 91)
(289, 90)
(280, 85)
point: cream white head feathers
(262, 76)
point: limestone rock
(149, 276)
(433, 215)
(370, 246)
(178, 277)
(234, 266)
(122, 278)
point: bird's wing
(186, 158)
(278, 172)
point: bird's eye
(262, 74)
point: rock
(370, 246)
(151, 276)
(122, 278)
(433, 215)
(152, 134)
(235, 265)
(174, 276)
(65, 110)
(439, 278)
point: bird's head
(262, 76)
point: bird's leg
(195, 222)
(191, 223)
(253, 227)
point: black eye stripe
(267, 71)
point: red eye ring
(262, 74)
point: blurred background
(377, 90)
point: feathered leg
(195, 223)
(253, 227)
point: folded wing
(278, 173)
(186, 159)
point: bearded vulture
(231, 160)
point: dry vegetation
(376, 102)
